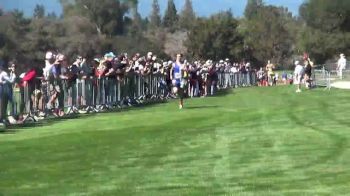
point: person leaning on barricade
(55, 76)
(29, 92)
(84, 71)
(109, 76)
(70, 79)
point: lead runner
(177, 77)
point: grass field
(252, 141)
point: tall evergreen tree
(39, 11)
(187, 16)
(252, 8)
(155, 19)
(52, 15)
(170, 19)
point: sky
(201, 7)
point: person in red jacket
(27, 86)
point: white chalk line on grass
(341, 85)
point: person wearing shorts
(298, 75)
(341, 65)
(177, 78)
(270, 72)
(308, 72)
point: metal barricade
(48, 97)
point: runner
(177, 78)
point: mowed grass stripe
(252, 141)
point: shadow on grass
(12, 129)
(201, 107)
(223, 92)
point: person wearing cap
(298, 75)
(177, 78)
(50, 59)
(6, 94)
(149, 56)
(341, 65)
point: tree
(155, 19)
(39, 11)
(215, 38)
(52, 16)
(107, 15)
(170, 17)
(187, 16)
(328, 21)
(252, 8)
(267, 36)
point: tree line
(265, 32)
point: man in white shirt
(49, 63)
(5, 91)
(298, 75)
(341, 65)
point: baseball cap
(110, 55)
(97, 60)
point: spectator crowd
(65, 85)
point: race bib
(177, 75)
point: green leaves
(215, 38)
(171, 18)
(187, 16)
(155, 19)
(328, 28)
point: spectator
(194, 85)
(270, 73)
(308, 72)
(260, 76)
(50, 59)
(284, 77)
(55, 86)
(298, 75)
(341, 65)
(6, 92)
